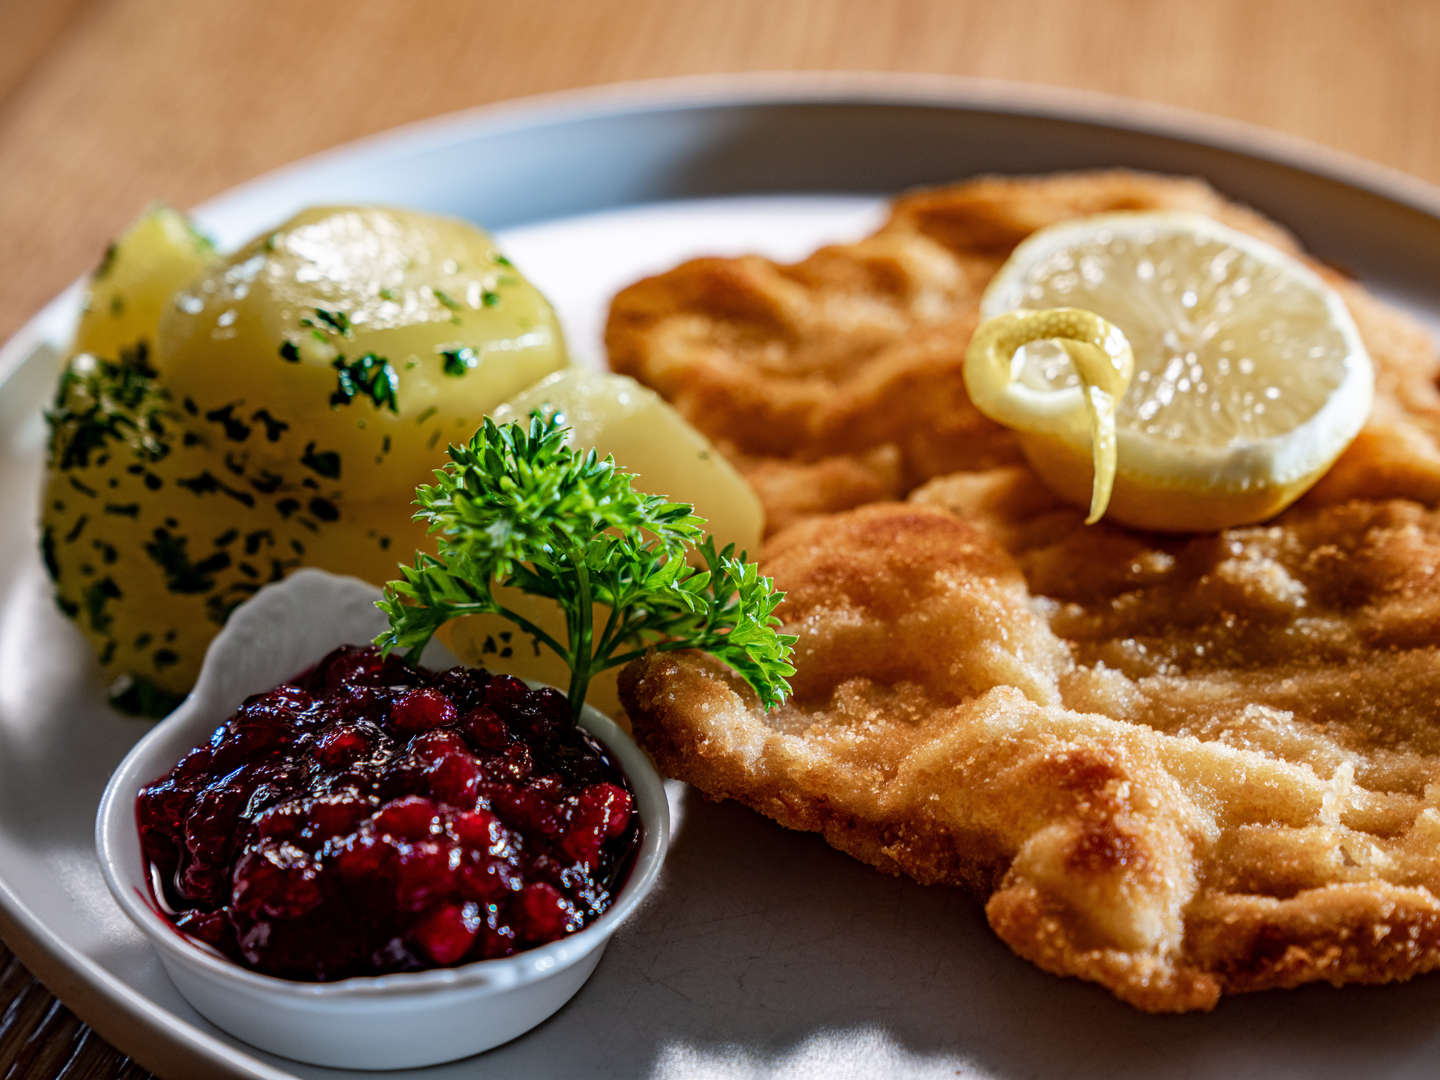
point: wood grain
(142, 99)
(108, 104)
(39, 1037)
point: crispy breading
(1176, 766)
(839, 376)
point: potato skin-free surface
(191, 462)
(138, 278)
(617, 417)
(372, 334)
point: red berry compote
(371, 817)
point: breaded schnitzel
(835, 381)
(1177, 766)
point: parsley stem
(457, 611)
(531, 629)
(412, 654)
(607, 642)
(636, 629)
(582, 617)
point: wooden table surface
(108, 104)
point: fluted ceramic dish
(378, 1022)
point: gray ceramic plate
(763, 952)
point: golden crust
(1190, 767)
(1178, 767)
(840, 374)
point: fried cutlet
(1176, 766)
(835, 381)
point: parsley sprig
(517, 507)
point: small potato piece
(137, 280)
(616, 416)
(370, 337)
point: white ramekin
(379, 1022)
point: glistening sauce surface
(371, 817)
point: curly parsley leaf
(517, 507)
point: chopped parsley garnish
(337, 321)
(459, 361)
(236, 430)
(102, 401)
(324, 509)
(139, 696)
(490, 298)
(107, 261)
(324, 462)
(274, 427)
(517, 507)
(184, 575)
(202, 239)
(290, 352)
(446, 299)
(370, 376)
(96, 600)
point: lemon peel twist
(1100, 355)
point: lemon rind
(1243, 467)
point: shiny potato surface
(369, 335)
(193, 460)
(617, 417)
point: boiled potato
(616, 416)
(152, 536)
(372, 337)
(148, 541)
(183, 477)
(137, 279)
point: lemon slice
(1249, 375)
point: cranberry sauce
(370, 817)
